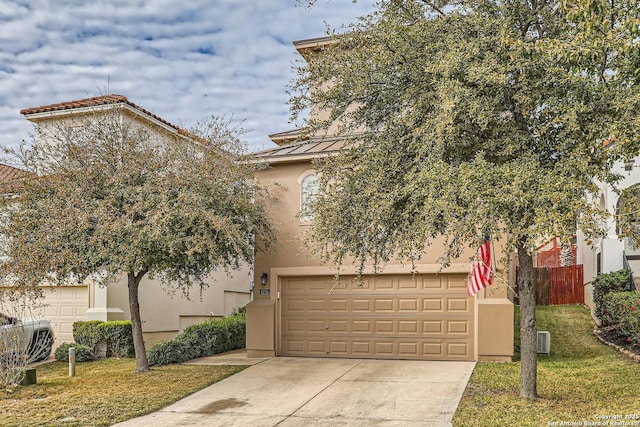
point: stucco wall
(160, 312)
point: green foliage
(88, 332)
(117, 335)
(240, 311)
(121, 196)
(117, 194)
(203, 339)
(469, 129)
(84, 353)
(622, 309)
(603, 284)
(465, 118)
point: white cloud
(184, 61)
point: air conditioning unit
(544, 342)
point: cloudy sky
(183, 60)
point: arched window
(308, 190)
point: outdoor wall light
(264, 278)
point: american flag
(481, 275)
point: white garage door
(65, 305)
(427, 317)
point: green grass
(580, 380)
(102, 393)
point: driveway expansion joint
(318, 393)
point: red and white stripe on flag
(481, 275)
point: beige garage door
(65, 305)
(390, 317)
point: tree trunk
(142, 364)
(528, 326)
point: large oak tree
(465, 118)
(114, 196)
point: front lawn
(102, 393)
(581, 381)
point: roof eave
(291, 158)
(35, 117)
(314, 44)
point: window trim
(305, 219)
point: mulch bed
(611, 337)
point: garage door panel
(459, 305)
(408, 283)
(295, 304)
(316, 347)
(384, 326)
(383, 349)
(339, 325)
(317, 285)
(410, 317)
(316, 325)
(408, 326)
(433, 349)
(338, 305)
(361, 305)
(295, 346)
(295, 325)
(430, 283)
(432, 304)
(458, 327)
(456, 283)
(385, 304)
(408, 349)
(318, 305)
(361, 326)
(458, 350)
(432, 326)
(360, 348)
(410, 305)
(339, 348)
(383, 283)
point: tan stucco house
(163, 316)
(301, 309)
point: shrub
(87, 332)
(603, 284)
(622, 309)
(117, 335)
(83, 352)
(203, 339)
(165, 353)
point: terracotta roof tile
(9, 173)
(97, 101)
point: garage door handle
(326, 326)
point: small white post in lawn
(72, 361)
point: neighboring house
(301, 310)
(163, 316)
(553, 254)
(611, 253)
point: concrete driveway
(290, 392)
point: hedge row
(623, 310)
(603, 284)
(117, 335)
(616, 306)
(200, 340)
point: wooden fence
(560, 285)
